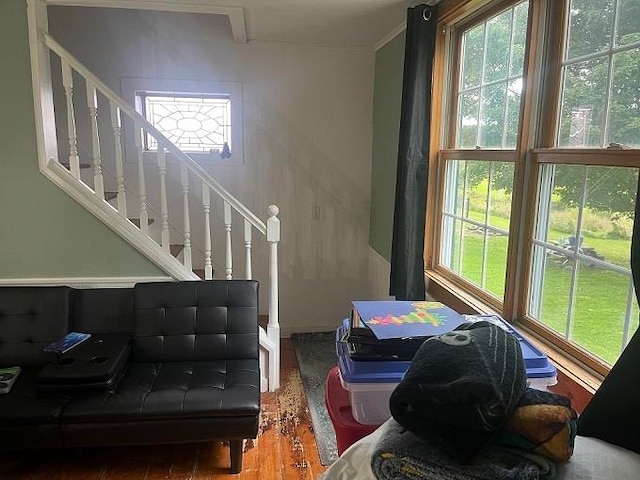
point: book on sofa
(8, 377)
(66, 343)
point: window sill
(575, 380)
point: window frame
(542, 78)
(132, 87)
(142, 97)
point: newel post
(273, 327)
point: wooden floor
(285, 449)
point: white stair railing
(156, 191)
(92, 102)
(116, 124)
(186, 250)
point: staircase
(160, 201)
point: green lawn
(600, 298)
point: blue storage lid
(362, 371)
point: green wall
(43, 232)
(386, 122)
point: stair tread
(136, 221)
(199, 272)
(82, 165)
(175, 249)
(110, 195)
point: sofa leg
(235, 447)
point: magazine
(67, 342)
(404, 319)
(8, 377)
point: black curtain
(407, 262)
(613, 414)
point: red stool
(348, 431)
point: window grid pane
(194, 124)
(601, 71)
(492, 56)
(581, 285)
(476, 222)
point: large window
(538, 167)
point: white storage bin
(369, 401)
(370, 383)
(542, 383)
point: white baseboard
(82, 282)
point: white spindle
(247, 248)
(184, 179)
(273, 327)
(116, 124)
(164, 210)
(67, 83)
(228, 263)
(206, 204)
(92, 102)
(142, 184)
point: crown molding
(390, 36)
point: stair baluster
(247, 248)
(184, 180)
(92, 102)
(228, 262)
(206, 204)
(273, 327)
(116, 125)
(67, 83)
(142, 184)
(164, 209)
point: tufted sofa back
(30, 319)
(103, 310)
(193, 321)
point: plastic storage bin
(370, 383)
(348, 431)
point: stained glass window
(196, 124)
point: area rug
(316, 353)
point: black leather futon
(192, 374)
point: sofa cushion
(103, 310)
(30, 319)
(196, 321)
(174, 390)
(24, 406)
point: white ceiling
(326, 22)
(318, 22)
